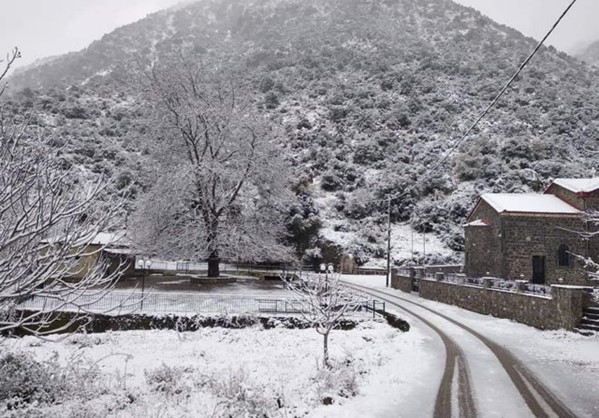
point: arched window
(563, 256)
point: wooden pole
(388, 241)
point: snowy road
(481, 377)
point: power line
(481, 116)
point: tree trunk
(213, 257)
(214, 264)
(325, 358)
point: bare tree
(590, 232)
(48, 218)
(324, 301)
(220, 178)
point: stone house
(534, 237)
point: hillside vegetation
(369, 94)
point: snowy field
(220, 372)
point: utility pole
(412, 239)
(423, 244)
(388, 240)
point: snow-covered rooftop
(117, 239)
(110, 238)
(528, 203)
(579, 185)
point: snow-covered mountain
(369, 92)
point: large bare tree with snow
(48, 218)
(219, 180)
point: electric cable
(464, 137)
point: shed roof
(113, 239)
(110, 238)
(579, 185)
(528, 203)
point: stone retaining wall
(401, 282)
(564, 309)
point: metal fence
(122, 303)
(494, 283)
(184, 266)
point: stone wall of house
(566, 195)
(588, 202)
(564, 309)
(482, 252)
(582, 201)
(527, 236)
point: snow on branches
(220, 179)
(324, 301)
(48, 218)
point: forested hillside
(369, 94)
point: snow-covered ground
(223, 372)
(567, 362)
(406, 243)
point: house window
(563, 256)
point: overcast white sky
(535, 17)
(42, 28)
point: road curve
(454, 356)
(539, 400)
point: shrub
(368, 153)
(271, 101)
(123, 180)
(166, 379)
(266, 84)
(24, 380)
(330, 182)
(239, 396)
(340, 379)
(75, 112)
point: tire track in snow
(539, 399)
(454, 359)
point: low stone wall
(402, 283)
(564, 309)
(370, 271)
(449, 268)
(422, 271)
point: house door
(538, 269)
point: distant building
(111, 249)
(533, 236)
